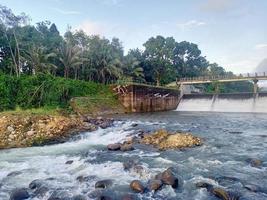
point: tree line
(34, 49)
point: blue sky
(232, 33)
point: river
(230, 139)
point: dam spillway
(236, 102)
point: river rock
(41, 191)
(19, 194)
(85, 178)
(154, 185)
(137, 186)
(79, 197)
(164, 140)
(30, 133)
(208, 186)
(252, 188)
(127, 165)
(103, 184)
(220, 193)
(105, 197)
(69, 162)
(128, 197)
(15, 173)
(127, 147)
(168, 178)
(256, 163)
(10, 128)
(35, 184)
(114, 147)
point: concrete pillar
(181, 90)
(217, 88)
(256, 87)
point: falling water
(246, 102)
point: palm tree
(70, 58)
(132, 68)
(38, 59)
(110, 69)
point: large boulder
(137, 186)
(168, 178)
(164, 140)
(154, 185)
(19, 194)
(114, 147)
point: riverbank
(40, 127)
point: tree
(105, 58)
(70, 58)
(158, 53)
(38, 59)
(9, 22)
(132, 67)
(188, 60)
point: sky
(232, 33)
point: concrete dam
(236, 102)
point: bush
(44, 90)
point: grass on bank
(47, 95)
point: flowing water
(230, 139)
(247, 102)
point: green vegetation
(45, 90)
(31, 56)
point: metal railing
(224, 77)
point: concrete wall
(142, 98)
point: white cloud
(261, 46)
(66, 12)
(191, 24)
(91, 28)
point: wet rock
(19, 194)
(85, 178)
(105, 197)
(41, 191)
(256, 163)
(252, 188)
(137, 186)
(220, 193)
(128, 197)
(103, 184)
(35, 184)
(127, 165)
(79, 197)
(105, 125)
(208, 186)
(236, 132)
(69, 162)
(102, 194)
(114, 147)
(138, 169)
(154, 185)
(168, 178)
(127, 147)
(226, 180)
(54, 198)
(134, 125)
(15, 173)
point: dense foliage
(27, 49)
(45, 90)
